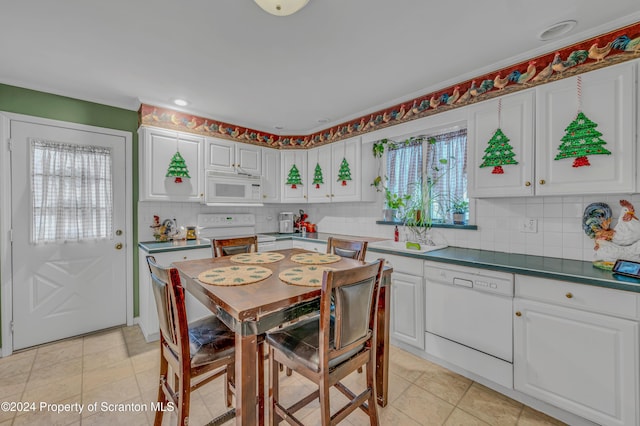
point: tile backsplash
(500, 220)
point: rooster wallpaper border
(598, 52)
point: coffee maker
(285, 219)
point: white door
(65, 289)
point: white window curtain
(72, 196)
(453, 184)
(404, 168)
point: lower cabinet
(407, 294)
(572, 354)
(407, 299)
(320, 247)
(148, 319)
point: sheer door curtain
(72, 197)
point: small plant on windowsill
(459, 208)
(395, 203)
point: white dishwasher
(473, 309)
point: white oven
(231, 188)
(469, 319)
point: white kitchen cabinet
(148, 315)
(515, 118)
(317, 246)
(320, 157)
(608, 99)
(349, 150)
(157, 148)
(576, 347)
(288, 159)
(330, 158)
(407, 299)
(270, 175)
(233, 157)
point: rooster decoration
(620, 242)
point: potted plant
(394, 202)
(459, 208)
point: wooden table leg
(382, 340)
(246, 379)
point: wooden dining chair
(230, 246)
(347, 248)
(196, 353)
(327, 348)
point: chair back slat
(230, 246)
(347, 248)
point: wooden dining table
(251, 310)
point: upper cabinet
(608, 102)
(334, 172)
(157, 149)
(513, 115)
(232, 157)
(591, 153)
(270, 175)
(293, 176)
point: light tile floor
(118, 369)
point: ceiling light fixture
(181, 102)
(282, 7)
(557, 30)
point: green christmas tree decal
(344, 174)
(294, 177)
(177, 168)
(317, 176)
(581, 139)
(498, 153)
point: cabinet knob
(305, 196)
(184, 257)
(201, 195)
(542, 181)
(527, 183)
(264, 196)
(518, 313)
(569, 295)
(327, 195)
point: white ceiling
(333, 60)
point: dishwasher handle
(462, 282)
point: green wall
(45, 105)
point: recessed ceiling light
(557, 30)
(181, 102)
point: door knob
(518, 313)
(119, 232)
(119, 246)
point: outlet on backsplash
(529, 225)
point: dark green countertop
(176, 245)
(539, 266)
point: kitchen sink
(402, 246)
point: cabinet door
(407, 323)
(582, 362)
(319, 161)
(248, 159)
(158, 148)
(349, 151)
(220, 155)
(270, 175)
(608, 100)
(515, 118)
(290, 158)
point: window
(441, 160)
(71, 192)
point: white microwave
(229, 188)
